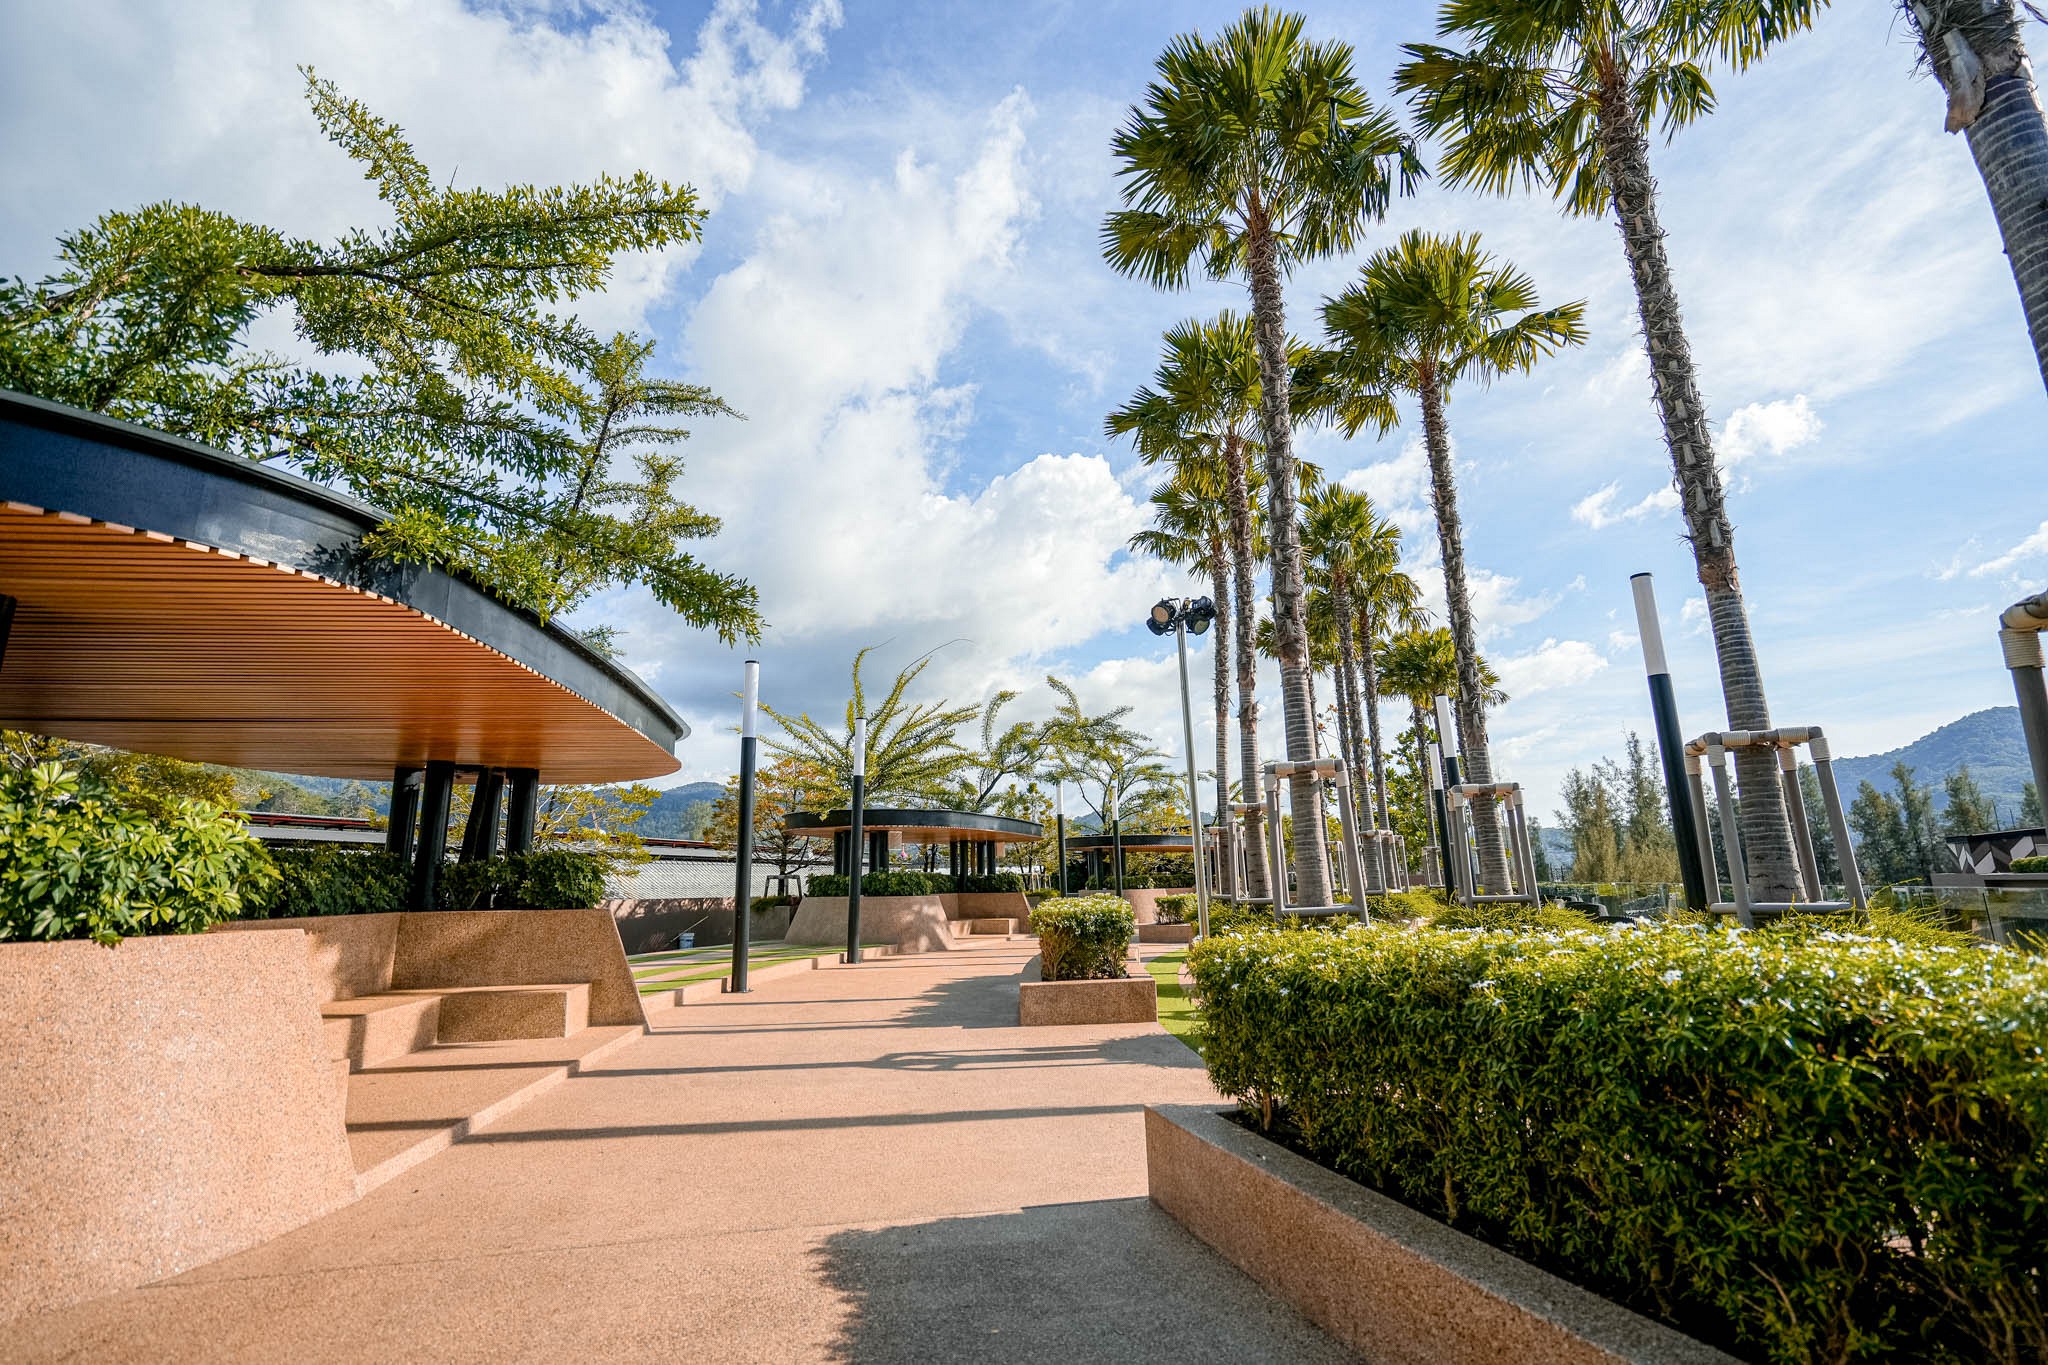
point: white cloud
(1597, 508)
(1774, 428)
(1552, 664)
(2033, 546)
(1398, 482)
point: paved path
(871, 1164)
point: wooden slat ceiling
(134, 639)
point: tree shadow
(1107, 1281)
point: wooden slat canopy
(919, 826)
(134, 631)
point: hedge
(884, 884)
(77, 860)
(326, 880)
(1177, 909)
(2037, 863)
(1808, 1146)
(545, 879)
(994, 881)
(1083, 938)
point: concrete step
(376, 1028)
(966, 928)
(487, 1014)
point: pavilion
(972, 839)
(162, 596)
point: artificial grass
(1177, 1012)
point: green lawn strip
(1177, 1013)
(652, 985)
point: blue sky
(899, 285)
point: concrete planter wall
(1132, 1000)
(909, 924)
(1145, 900)
(1394, 1285)
(647, 926)
(166, 1102)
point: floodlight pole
(1447, 750)
(743, 892)
(1671, 746)
(1187, 725)
(858, 811)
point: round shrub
(76, 861)
(1083, 938)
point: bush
(328, 880)
(884, 884)
(1083, 938)
(1802, 1146)
(1177, 909)
(2037, 863)
(545, 879)
(995, 881)
(1507, 916)
(77, 861)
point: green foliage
(1508, 917)
(78, 861)
(911, 752)
(1177, 909)
(325, 879)
(494, 432)
(1803, 1146)
(545, 879)
(2037, 863)
(1083, 938)
(1897, 838)
(1617, 820)
(884, 884)
(994, 881)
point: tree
(1252, 153)
(1191, 527)
(489, 429)
(1969, 809)
(2030, 806)
(1924, 845)
(1588, 816)
(1421, 664)
(782, 787)
(1204, 404)
(1563, 96)
(598, 820)
(1424, 314)
(1881, 842)
(1005, 752)
(1975, 50)
(1082, 749)
(912, 754)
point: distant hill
(1990, 742)
(676, 814)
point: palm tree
(1359, 554)
(1421, 664)
(1424, 314)
(1563, 96)
(1254, 152)
(1203, 403)
(1191, 528)
(912, 754)
(1975, 50)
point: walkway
(868, 1165)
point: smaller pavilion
(972, 839)
(1098, 851)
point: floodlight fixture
(1163, 613)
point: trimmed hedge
(1177, 909)
(545, 879)
(1811, 1146)
(994, 881)
(884, 884)
(327, 880)
(2038, 863)
(1083, 938)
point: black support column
(6, 623)
(404, 822)
(437, 789)
(842, 865)
(480, 835)
(878, 850)
(523, 810)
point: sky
(900, 288)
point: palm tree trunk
(1219, 588)
(1290, 630)
(1475, 765)
(1766, 835)
(1369, 673)
(1978, 56)
(1354, 743)
(1244, 602)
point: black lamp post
(1191, 614)
(859, 801)
(743, 893)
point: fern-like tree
(1421, 664)
(1564, 96)
(1252, 152)
(1425, 313)
(1191, 529)
(913, 754)
(502, 439)
(1006, 752)
(1975, 49)
(1204, 404)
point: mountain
(1990, 742)
(675, 815)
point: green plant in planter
(998, 881)
(327, 880)
(545, 879)
(1176, 909)
(2038, 863)
(884, 884)
(77, 862)
(1083, 938)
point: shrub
(1507, 916)
(1803, 1146)
(545, 879)
(77, 861)
(2037, 863)
(884, 884)
(1177, 909)
(995, 881)
(329, 880)
(1083, 938)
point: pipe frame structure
(1521, 860)
(1713, 748)
(1332, 771)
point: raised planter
(1129, 1000)
(1393, 1285)
(1166, 933)
(909, 924)
(1145, 900)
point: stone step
(371, 1029)
(964, 928)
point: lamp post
(1190, 614)
(743, 892)
(1059, 806)
(1116, 834)
(1671, 746)
(859, 800)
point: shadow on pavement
(1108, 1281)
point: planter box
(1166, 933)
(1132, 1000)
(1145, 900)
(1393, 1285)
